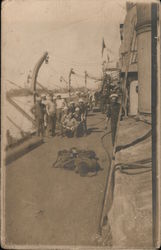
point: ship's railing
(11, 101)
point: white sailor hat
(81, 100)
(65, 108)
(43, 95)
(113, 96)
(77, 109)
(48, 96)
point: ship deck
(46, 204)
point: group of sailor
(70, 117)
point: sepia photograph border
(156, 142)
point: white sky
(70, 30)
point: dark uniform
(79, 129)
(51, 117)
(77, 116)
(113, 113)
(105, 99)
(83, 114)
(71, 108)
(39, 110)
(105, 92)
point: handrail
(10, 100)
(19, 128)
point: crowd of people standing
(70, 117)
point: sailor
(43, 97)
(107, 115)
(72, 107)
(79, 127)
(44, 102)
(83, 113)
(77, 114)
(59, 107)
(51, 115)
(113, 113)
(70, 125)
(90, 101)
(38, 111)
(54, 98)
(97, 97)
(63, 119)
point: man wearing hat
(38, 110)
(60, 104)
(113, 113)
(77, 116)
(72, 107)
(105, 93)
(107, 115)
(83, 113)
(51, 115)
(44, 102)
(64, 116)
(69, 125)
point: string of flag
(107, 49)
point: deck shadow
(91, 114)
(94, 130)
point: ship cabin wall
(135, 52)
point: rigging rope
(123, 167)
(91, 77)
(15, 84)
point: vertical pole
(69, 83)
(85, 80)
(70, 73)
(158, 121)
(154, 89)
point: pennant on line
(103, 46)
